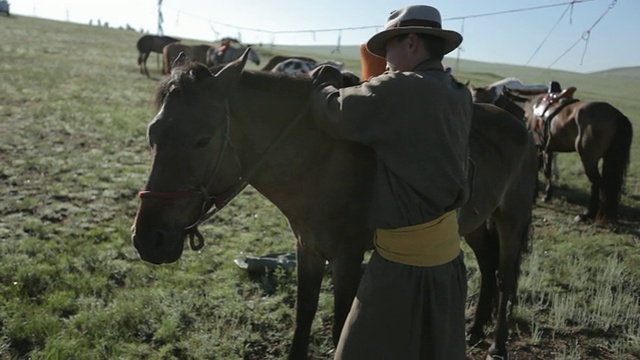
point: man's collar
(429, 65)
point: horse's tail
(615, 165)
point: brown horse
(214, 134)
(596, 130)
(229, 54)
(150, 43)
(197, 53)
(514, 105)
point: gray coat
(418, 125)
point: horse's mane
(276, 83)
(188, 77)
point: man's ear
(413, 41)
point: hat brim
(376, 45)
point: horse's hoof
(582, 218)
(546, 199)
(496, 354)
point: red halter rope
(213, 203)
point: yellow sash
(433, 243)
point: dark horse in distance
(596, 130)
(215, 134)
(148, 44)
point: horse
(170, 52)
(229, 54)
(215, 134)
(596, 130)
(491, 92)
(277, 59)
(151, 43)
(496, 94)
(298, 66)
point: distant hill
(633, 72)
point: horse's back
(280, 58)
(498, 125)
(597, 110)
(149, 43)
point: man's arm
(357, 113)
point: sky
(555, 37)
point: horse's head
(253, 56)
(193, 164)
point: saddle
(548, 107)
(551, 98)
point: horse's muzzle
(158, 246)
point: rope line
(585, 36)
(549, 34)
(302, 31)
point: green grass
(73, 154)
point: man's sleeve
(358, 113)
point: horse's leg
(310, 267)
(346, 273)
(144, 63)
(547, 171)
(590, 158)
(140, 62)
(556, 168)
(484, 244)
(512, 225)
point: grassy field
(73, 154)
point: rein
(213, 203)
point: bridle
(211, 204)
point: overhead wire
(585, 36)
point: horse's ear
(181, 59)
(231, 73)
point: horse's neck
(272, 125)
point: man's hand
(326, 75)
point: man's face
(398, 53)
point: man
(416, 118)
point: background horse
(150, 43)
(231, 53)
(197, 53)
(596, 130)
(490, 93)
(275, 60)
(214, 134)
(300, 67)
(499, 95)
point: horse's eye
(203, 142)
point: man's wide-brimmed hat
(415, 19)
